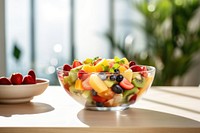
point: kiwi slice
(138, 81)
(127, 93)
(76, 69)
(86, 93)
(74, 91)
(71, 79)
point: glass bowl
(106, 91)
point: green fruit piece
(130, 96)
(76, 69)
(72, 77)
(68, 80)
(136, 75)
(73, 90)
(86, 93)
(139, 81)
(109, 83)
(127, 93)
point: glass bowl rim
(151, 69)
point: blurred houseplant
(172, 30)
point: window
(17, 34)
(52, 36)
(39, 30)
(44, 34)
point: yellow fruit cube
(128, 74)
(99, 66)
(97, 84)
(88, 68)
(122, 69)
(87, 61)
(125, 61)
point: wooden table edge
(98, 129)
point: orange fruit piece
(122, 69)
(78, 85)
(88, 68)
(108, 94)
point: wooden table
(163, 109)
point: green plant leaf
(16, 52)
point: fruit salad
(100, 82)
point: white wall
(2, 39)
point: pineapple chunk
(99, 66)
(88, 68)
(128, 74)
(97, 84)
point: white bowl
(22, 93)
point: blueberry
(94, 93)
(117, 71)
(99, 104)
(117, 89)
(119, 78)
(112, 77)
(102, 75)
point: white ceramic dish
(22, 93)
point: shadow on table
(8, 110)
(134, 117)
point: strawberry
(83, 75)
(76, 63)
(28, 79)
(16, 78)
(144, 68)
(67, 67)
(4, 81)
(32, 73)
(144, 74)
(136, 68)
(86, 84)
(126, 84)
